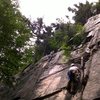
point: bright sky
(49, 10)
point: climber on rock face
(74, 75)
(73, 72)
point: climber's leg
(68, 86)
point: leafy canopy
(83, 11)
(14, 34)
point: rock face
(47, 79)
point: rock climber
(74, 75)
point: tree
(97, 7)
(81, 10)
(42, 33)
(14, 34)
(65, 36)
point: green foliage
(58, 39)
(14, 34)
(97, 7)
(38, 53)
(66, 37)
(67, 50)
(27, 57)
(80, 12)
(43, 34)
(48, 39)
(78, 37)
